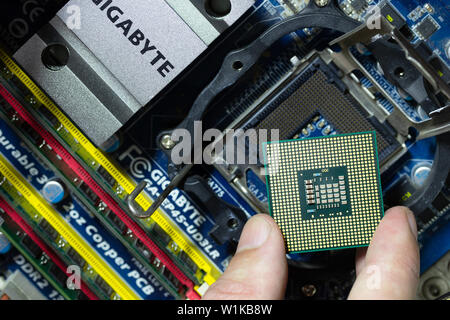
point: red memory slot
(29, 231)
(102, 194)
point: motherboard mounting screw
(167, 142)
(321, 3)
(55, 56)
(309, 290)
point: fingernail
(255, 233)
(412, 222)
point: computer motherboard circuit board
(92, 94)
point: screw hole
(238, 65)
(232, 223)
(434, 291)
(399, 72)
(218, 8)
(55, 56)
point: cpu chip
(325, 193)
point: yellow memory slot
(212, 273)
(62, 227)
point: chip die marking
(324, 193)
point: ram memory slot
(54, 240)
(25, 282)
(71, 179)
(57, 222)
(162, 257)
(161, 265)
(39, 171)
(120, 185)
(41, 256)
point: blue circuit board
(196, 224)
(415, 12)
(178, 206)
(75, 213)
(418, 160)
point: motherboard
(102, 196)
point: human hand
(387, 269)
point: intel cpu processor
(325, 193)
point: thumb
(259, 269)
(390, 268)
